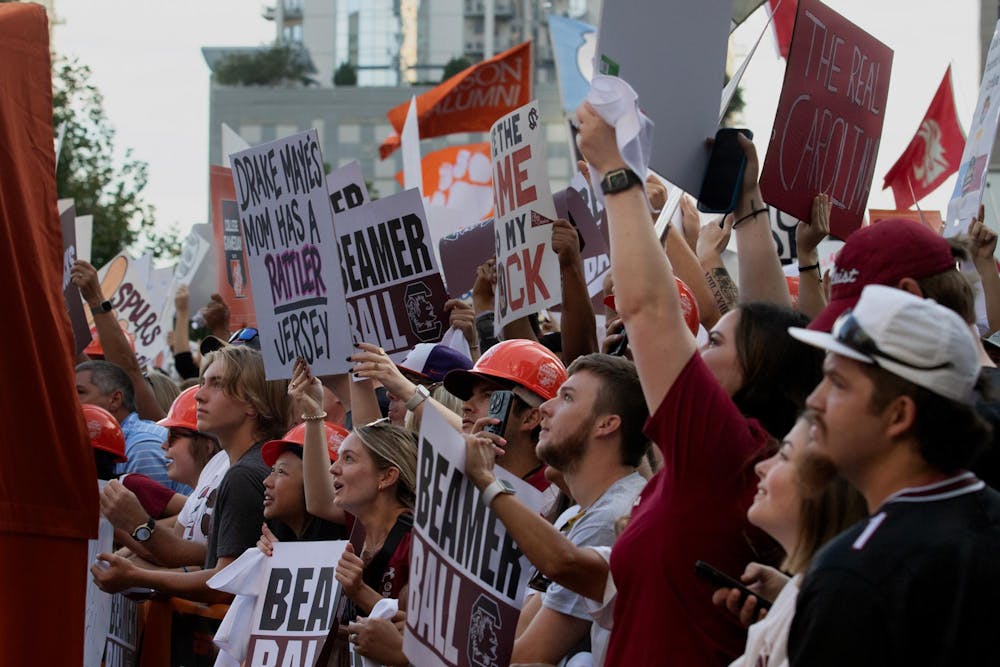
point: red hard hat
(272, 449)
(94, 347)
(183, 411)
(521, 362)
(105, 432)
(692, 317)
(793, 290)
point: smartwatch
(144, 531)
(421, 395)
(619, 180)
(103, 307)
(496, 487)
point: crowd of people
(836, 458)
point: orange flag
(470, 101)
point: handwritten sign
(287, 228)
(295, 607)
(74, 304)
(467, 576)
(394, 290)
(346, 187)
(829, 120)
(140, 309)
(971, 182)
(527, 267)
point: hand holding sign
(266, 541)
(481, 451)
(597, 142)
(84, 276)
(305, 389)
(566, 243)
(349, 573)
(809, 234)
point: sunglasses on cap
(848, 331)
(243, 336)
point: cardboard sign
(122, 647)
(126, 283)
(527, 267)
(394, 290)
(97, 620)
(74, 303)
(971, 182)
(632, 42)
(84, 236)
(232, 277)
(287, 227)
(295, 607)
(571, 206)
(829, 120)
(467, 576)
(462, 253)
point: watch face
(142, 534)
(618, 180)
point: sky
(146, 60)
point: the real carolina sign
(467, 576)
(527, 267)
(288, 236)
(829, 120)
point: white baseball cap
(913, 338)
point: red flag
(470, 101)
(783, 21)
(933, 154)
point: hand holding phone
(501, 402)
(720, 579)
(723, 181)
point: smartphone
(500, 404)
(720, 579)
(720, 188)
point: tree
(346, 75)
(736, 105)
(454, 66)
(278, 65)
(88, 173)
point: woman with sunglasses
(714, 414)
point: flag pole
(915, 202)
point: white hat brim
(827, 342)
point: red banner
(933, 154)
(829, 120)
(784, 21)
(230, 255)
(470, 101)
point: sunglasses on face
(848, 331)
(243, 336)
(178, 433)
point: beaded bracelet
(314, 418)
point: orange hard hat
(183, 411)
(95, 349)
(793, 290)
(104, 431)
(296, 437)
(522, 362)
(692, 317)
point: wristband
(495, 488)
(752, 214)
(419, 396)
(809, 268)
(314, 418)
(103, 307)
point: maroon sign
(829, 121)
(462, 253)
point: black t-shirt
(915, 584)
(987, 462)
(239, 512)
(317, 530)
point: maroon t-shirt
(693, 509)
(152, 495)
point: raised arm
(645, 294)
(984, 245)
(712, 240)
(579, 328)
(307, 399)
(117, 348)
(812, 297)
(761, 277)
(183, 361)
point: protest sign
(232, 279)
(71, 293)
(346, 187)
(286, 221)
(84, 236)
(97, 620)
(462, 253)
(571, 206)
(829, 119)
(630, 45)
(193, 251)
(394, 291)
(969, 186)
(122, 647)
(295, 605)
(140, 310)
(467, 576)
(527, 267)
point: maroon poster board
(829, 120)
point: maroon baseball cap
(882, 254)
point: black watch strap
(619, 180)
(144, 531)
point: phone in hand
(501, 402)
(720, 188)
(720, 579)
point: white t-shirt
(196, 515)
(767, 640)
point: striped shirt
(143, 447)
